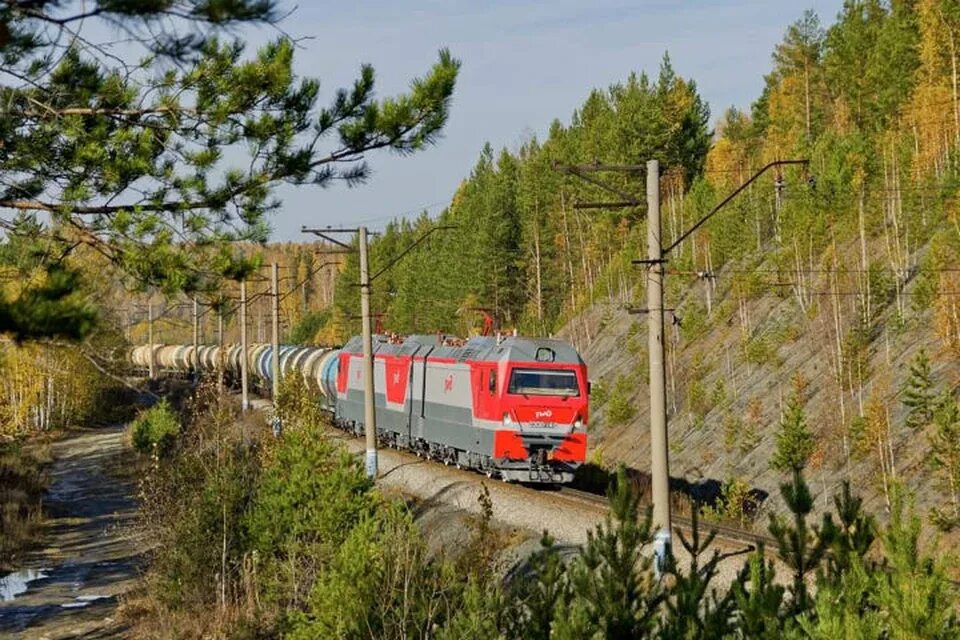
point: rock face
(729, 377)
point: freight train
(510, 407)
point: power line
(725, 270)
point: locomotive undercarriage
(538, 469)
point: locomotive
(511, 407)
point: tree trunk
(952, 43)
(566, 241)
(799, 287)
(883, 471)
(892, 463)
(587, 272)
(838, 345)
(953, 495)
(806, 89)
(536, 248)
(864, 260)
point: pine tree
(759, 599)
(540, 594)
(914, 590)
(945, 454)
(695, 609)
(800, 546)
(614, 595)
(918, 393)
(798, 56)
(852, 536)
(131, 161)
(795, 442)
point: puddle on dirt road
(16, 583)
(83, 601)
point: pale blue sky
(524, 64)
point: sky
(524, 64)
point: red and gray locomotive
(513, 407)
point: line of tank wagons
(514, 408)
(318, 365)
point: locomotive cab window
(492, 382)
(543, 382)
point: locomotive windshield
(544, 382)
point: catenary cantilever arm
(442, 227)
(703, 220)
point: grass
(22, 483)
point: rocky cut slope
(737, 356)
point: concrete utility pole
(369, 407)
(151, 363)
(275, 356)
(660, 467)
(369, 411)
(220, 350)
(196, 338)
(244, 394)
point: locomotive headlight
(506, 419)
(578, 423)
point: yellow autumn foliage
(44, 387)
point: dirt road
(88, 555)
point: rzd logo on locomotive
(546, 414)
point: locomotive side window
(543, 382)
(492, 385)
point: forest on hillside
(872, 102)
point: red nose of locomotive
(545, 415)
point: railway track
(724, 532)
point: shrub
(380, 583)
(795, 442)
(192, 506)
(759, 351)
(599, 394)
(620, 410)
(22, 482)
(695, 322)
(311, 494)
(156, 429)
(735, 503)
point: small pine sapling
(758, 599)
(540, 594)
(614, 594)
(800, 546)
(945, 458)
(918, 393)
(693, 609)
(795, 442)
(852, 536)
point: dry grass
(144, 616)
(22, 483)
